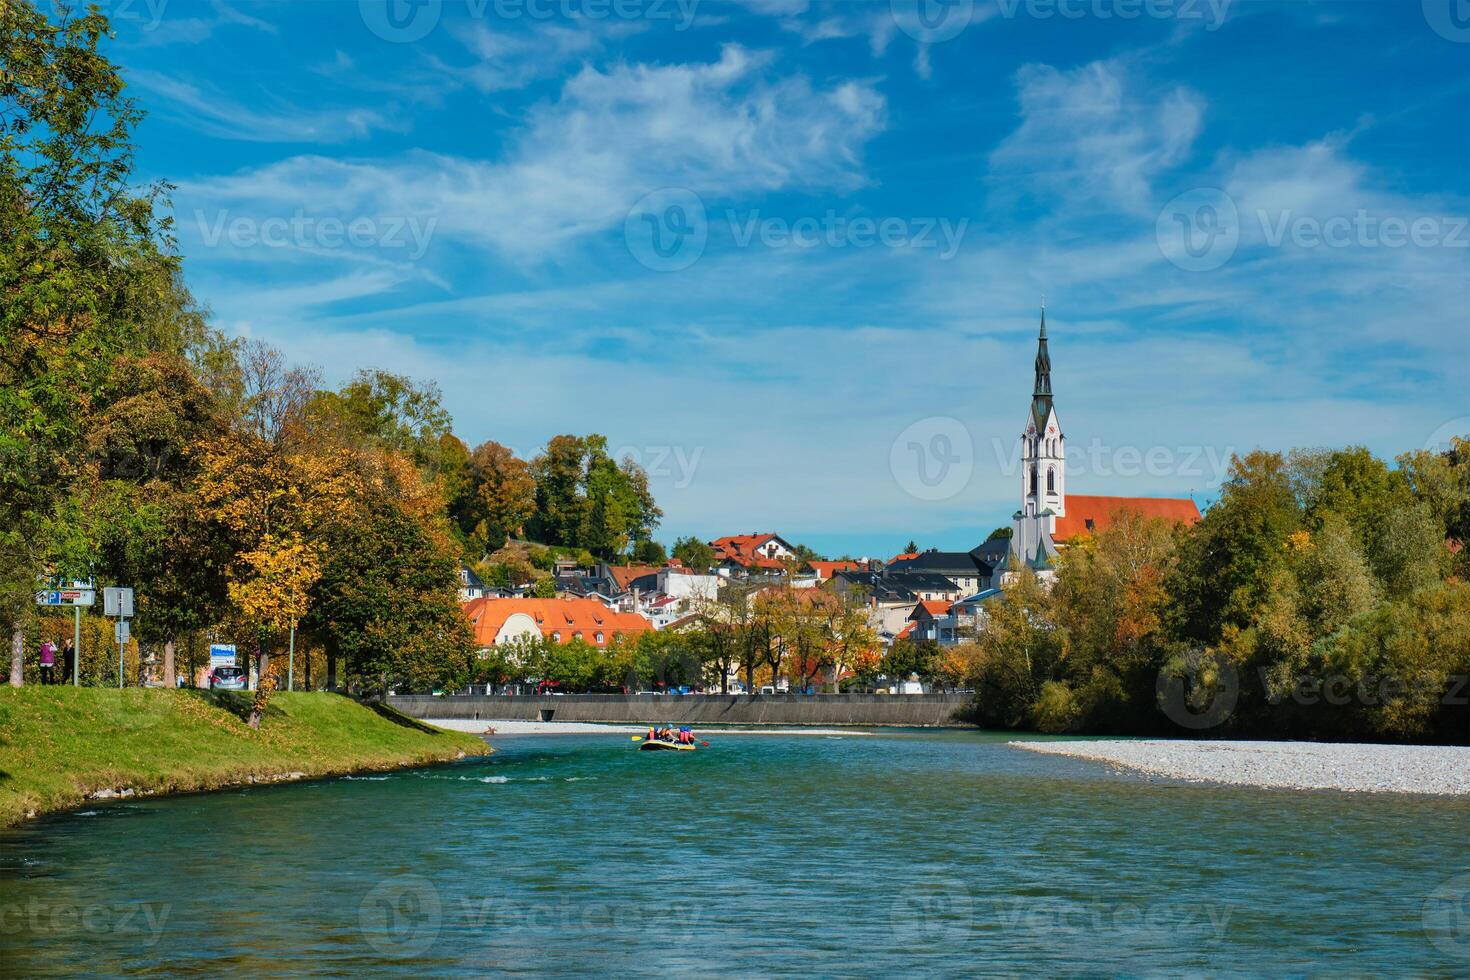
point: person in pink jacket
(48, 661)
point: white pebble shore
(1442, 770)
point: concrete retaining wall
(910, 710)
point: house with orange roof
(742, 554)
(824, 570)
(498, 621)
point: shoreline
(491, 726)
(64, 748)
(1349, 767)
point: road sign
(122, 632)
(117, 602)
(66, 597)
(222, 655)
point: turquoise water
(937, 853)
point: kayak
(665, 747)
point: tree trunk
(263, 688)
(170, 677)
(17, 657)
(331, 665)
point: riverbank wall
(859, 710)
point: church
(1050, 518)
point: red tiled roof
(903, 557)
(625, 574)
(903, 633)
(934, 607)
(566, 617)
(826, 569)
(741, 549)
(1087, 514)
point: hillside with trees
(236, 493)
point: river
(933, 852)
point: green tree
(694, 553)
(89, 274)
(1226, 563)
(648, 552)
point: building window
(1033, 482)
(1051, 481)
(555, 636)
(599, 636)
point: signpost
(119, 602)
(75, 593)
(222, 655)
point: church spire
(1041, 397)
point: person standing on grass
(68, 660)
(48, 661)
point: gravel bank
(1354, 768)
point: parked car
(227, 679)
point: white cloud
(720, 128)
(210, 111)
(1088, 137)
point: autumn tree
(497, 499)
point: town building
(498, 621)
(743, 554)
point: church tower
(1043, 447)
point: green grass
(58, 745)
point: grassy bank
(60, 745)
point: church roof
(1086, 514)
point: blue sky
(789, 254)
